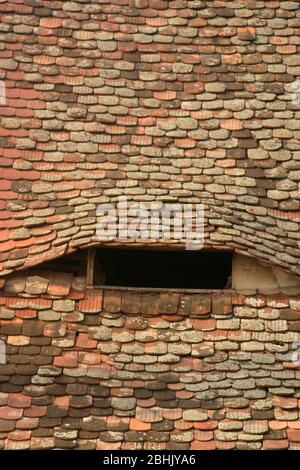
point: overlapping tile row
(134, 369)
(156, 100)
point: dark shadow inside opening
(163, 269)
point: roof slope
(156, 100)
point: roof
(177, 101)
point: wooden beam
(90, 267)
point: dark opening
(163, 269)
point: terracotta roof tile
(160, 66)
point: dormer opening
(153, 268)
